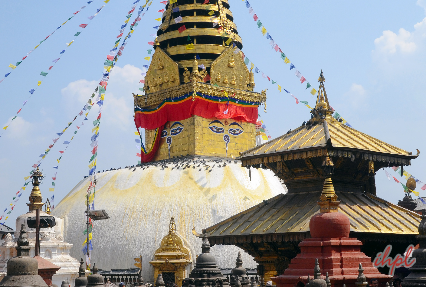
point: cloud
(118, 104)
(356, 96)
(390, 43)
(422, 3)
(19, 130)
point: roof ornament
(328, 200)
(322, 108)
(35, 196)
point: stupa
(199, 112)
(272, 230)
(53, 248)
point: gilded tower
(199, 97)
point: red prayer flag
(207, 78)
(50, 68)
(394, 178)
(163, 2)
(24, 57)
(61, 151)
(161, 11)
(255, 17)
(276, 48)
(100, 114)
(95, 149)
(18, 191)
(142, 81)
(120, 35)
(109, 57)
(181, 29)
(54, 178)
(151, 43)
(82, 25)
(51, 146)
(302, 79)
(139, 155)
(424, 187)
(75, 13)
(206, 2)
(268, 78)
(19, 111)
(34, 165)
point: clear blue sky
(370, 52)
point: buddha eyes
(235, 132)
(176, 131)
(217, 129)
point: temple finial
(328, 200)
(322, 108)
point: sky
(371, 52)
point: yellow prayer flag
(137, 133)
(90, 234)
(286, 60)
(102, 97)
(127, 21)
(11, 204)
(93, 163)
(265, 137)
(343, 121)
(158, 19)
(149, 3)
(190, 46)
(12, 66)
(43, 157)
(309, 107)
(131, 32)
(72, 138)
(226, 94)
(86, 114)
(263, 31)
(313, 92)
(279, 88)
(51, 189)
(58, 160)
(415, 192)
(69, 44)
(91, 197)
(147, 58)
(64, 22)
(27, 177)
(24, 187)
(252, 66)
(109, 69)
(38, 83)
(95, 129)
(36, 46)
(6, 217)
(5, 128)
(106, 1)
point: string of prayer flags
(275, 46)
(407, 176)
(26, 56)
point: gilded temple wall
(200, 136)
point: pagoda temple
(272, 230)
(199, 111)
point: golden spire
(172, 226)
(36, 200)
(328, 200)
(322, 108)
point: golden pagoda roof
(289, 214)
(202, 23)
(323, 130)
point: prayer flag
(292, 67)
(178, 19)
(176, 9)
(32, 91)
(83, 25)
(181, 29)
(38, 83)
(190, 46)
(151, 43)
(279, 88)
(313, 92)
(283, 56)
(424, 187)
(255, 17)
(302, 79)
(147, 58)
(308, 85)
(44, 74)
(298, 74)
(158, 19)
(297, 100)
(12, 66)
(259, 24)
(68, 44)
(263, 31)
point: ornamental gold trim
(198, 48)
(192, 32)
(154, 99)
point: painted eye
(217, 129)
(163, 133)
(235, 132)
(176, 131)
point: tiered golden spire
(36, 200)
(328, 200)
(322, 108)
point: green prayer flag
(75, 132)
(53, 183)
(149, 51)
(93, 157)
(336, 115)
(92, 95)
(90, 230)
(246, 61)
(14, 118)
(259, 24)
(273, 82)
(262, 130)
(9, 212)
(14, 198)
(18, 63)
(89, 107)
(304, 102)
(108, 63)
(101, 89)
(96, 122)
(136, 24)
(128, 16)
(44, 74)
(283, 56)
(308, 85)
(117, 41)
(76, 34)
(188, 39)
(26, 183)
(141, 89)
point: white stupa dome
(197, 192)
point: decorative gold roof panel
(291, 213)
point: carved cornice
(153, 99)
